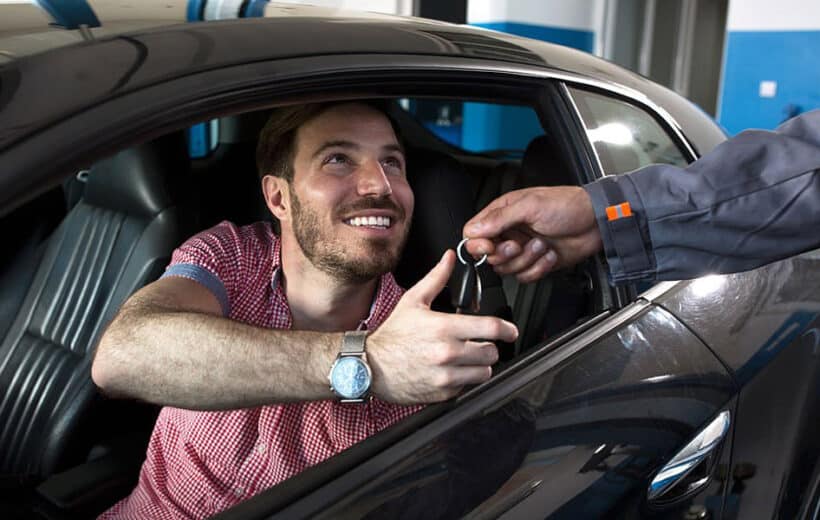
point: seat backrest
(543, 165)
(444, 194)
(547, 307)
(117, 238)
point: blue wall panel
(497, 127)
(490, 127)
(791, 58)
(575, 38)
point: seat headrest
(141, 181)
(543, 165)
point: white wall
(400, 7)
(773, 15)
(570, 14)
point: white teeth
(369, 221)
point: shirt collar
(277, 262)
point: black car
(120, 139)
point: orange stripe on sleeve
(611, 213)
(618, 211)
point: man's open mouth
(372, 222)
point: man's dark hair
(276, 148)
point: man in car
(238, 337)
(752, 200)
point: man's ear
(277, 196)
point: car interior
(74, 255)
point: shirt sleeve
(214, 259)
(752, 200)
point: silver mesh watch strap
(353, 343)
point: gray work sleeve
(752, 200)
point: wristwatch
(350, 375)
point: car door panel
(581, 438)
(765, 326)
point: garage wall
(400, 7)
(567, 22)
(771, 66)
(574, 23)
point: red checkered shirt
(199, 463)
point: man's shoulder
(249, 236)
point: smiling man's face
(350, 203)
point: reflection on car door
(579, 435)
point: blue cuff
(199, 274)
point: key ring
(461, 258)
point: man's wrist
(322, 358)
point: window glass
(625, 137)
(203, 139)
(477, 127)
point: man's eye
(337, 158)
(393, 164)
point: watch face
(350, 377)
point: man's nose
(373, 180)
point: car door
(633, 386)
(576, 429)
(765, 326)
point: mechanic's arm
(169, 345)
(751, 201)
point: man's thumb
(426, 289)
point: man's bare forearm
(199, 361)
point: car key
(467, 294)
(467, 289)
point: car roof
(152, 43)
(26, 30)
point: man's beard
(323, 250)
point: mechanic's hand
(421, 356)
(532, 231)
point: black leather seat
(115, 240)
(444, 203)
(551, 305)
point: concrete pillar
(771, 63)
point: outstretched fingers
(465, 327)
(459, 376)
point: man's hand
(422, 356)
(532, 231)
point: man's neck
(320, 302)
